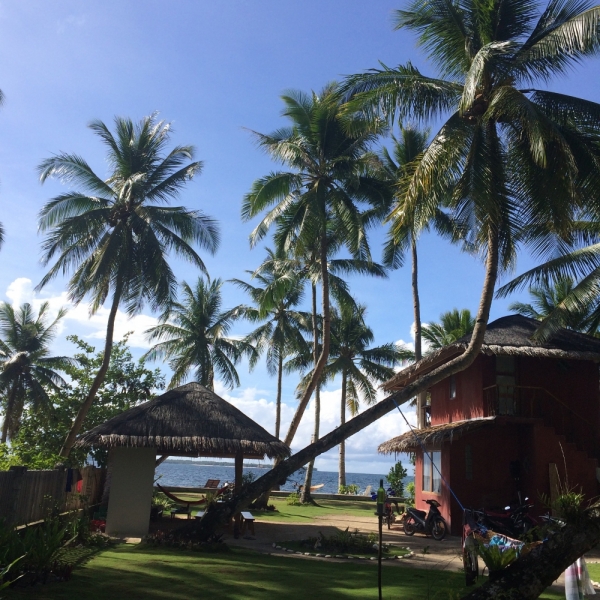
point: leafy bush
(293, 499)
(351, 489)
(344, 542)
(396, 478)
(410, 493)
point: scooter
(431, 523)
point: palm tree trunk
(316, 376)
(284, 469)
(342, 461)
(306, 496)
(422, 397)
(278, 402)
(87, 403)
(9, 413)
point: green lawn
(136, 573)
(308, 513)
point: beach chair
(212, 484)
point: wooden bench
(247, 521)
(181, 510)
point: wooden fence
(26, 496)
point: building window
(452, 387)
(432, 468)
(468, 462)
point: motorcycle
(431, 523)
(513, 521)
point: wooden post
(239, 471)
(19, 475)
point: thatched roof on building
(432, 436)
(187, 421)
(512, 335)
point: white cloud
(78, 319)
(361, 448)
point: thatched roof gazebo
(190, 420)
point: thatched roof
(508, 335)
(432, 436)
(187, 421)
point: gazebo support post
(239, 471)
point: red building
(508, 424)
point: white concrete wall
(130, 491)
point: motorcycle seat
(420, 513)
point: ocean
(192, 474)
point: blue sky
(214, 69)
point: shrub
(293, 499)
(410, 493)
(396, 478)
(351, 489)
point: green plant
(351, 489)
(410, 493)
(496, 558)
(43, 543)
(396, 478)
(159, 499)
(293, 499)
(4, 573)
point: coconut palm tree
(360, 367)
(406, 224)
(281, 331)
(192, 336)
(519, 162)
(27, 371)
(330, 178)
(562, 301)
(114, 234)
(453, 325)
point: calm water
(195, 475)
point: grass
(137, 572)
(309, 513)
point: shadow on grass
(136, 573)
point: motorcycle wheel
(409, 526)
(438, 529)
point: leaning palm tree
(361, 367)
(329, 180)
(114, 234)
(192, 336)
(453, 325)
(27, 372)
(518, 162)
(281, 330)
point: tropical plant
(557, 300)
(115, 233)
(27, 372)
(453, 325)
(41, 435)
(330, 177)
(361, 368)
(396, 478)
(281, 332)
(192, 336)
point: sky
(215, 70)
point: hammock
(189, 502)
